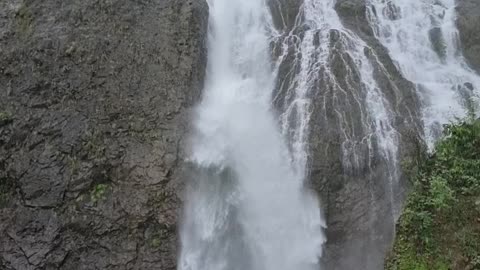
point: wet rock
(392, 11)
(359, 211)
(468, 23)
(94, 107)
(438, 42)
(284, 13)
(469, 86)
(346, 167)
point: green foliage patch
(24, 19)
(98, 192)
(440, 225)
(5, 118)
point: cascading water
(248, 207)
(349, 101)
(422, 38)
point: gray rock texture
(360, 197)
(94, 108)
(95, 99)
(468, 23)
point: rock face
(468, 24)
(94, 103)
(359, 206)
(347, 168)
(95, 97)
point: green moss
(159, 234)
(5, 118)
(155, 242)
(24, 19)
(440, 226)
(98, 192)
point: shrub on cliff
(440, 225)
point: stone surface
(360, 210)
(354, 188)
(94, 103)
(95, 98)
(468, 22)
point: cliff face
(440, 226)
(95, 99)
(468, 24)
(347, 166)
(94, 104)
(361, 200)
(357, 200)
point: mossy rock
(5, 118)
(440, 225)
(98, 193)
(24, 18)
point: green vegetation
(98, 193)
(159, 235)
(440, 225)
(24, 19)
(5, 117)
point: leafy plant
(98, 192)
(439, 227)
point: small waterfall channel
(248, 207)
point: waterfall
(422, 39)
(313, 55)
(347, 102)
(293, 89)
(247, 205)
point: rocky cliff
(95, 98)
(468, 24)
(359, 205)
(94, 103)
(360, 197)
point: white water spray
(313, 56)
(248, 207)
(423, 41)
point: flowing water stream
(271, 77)
(423, 40)
(249, 208)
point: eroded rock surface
(94, 103)
(94, 108)
(468, 22)
(359, 195)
